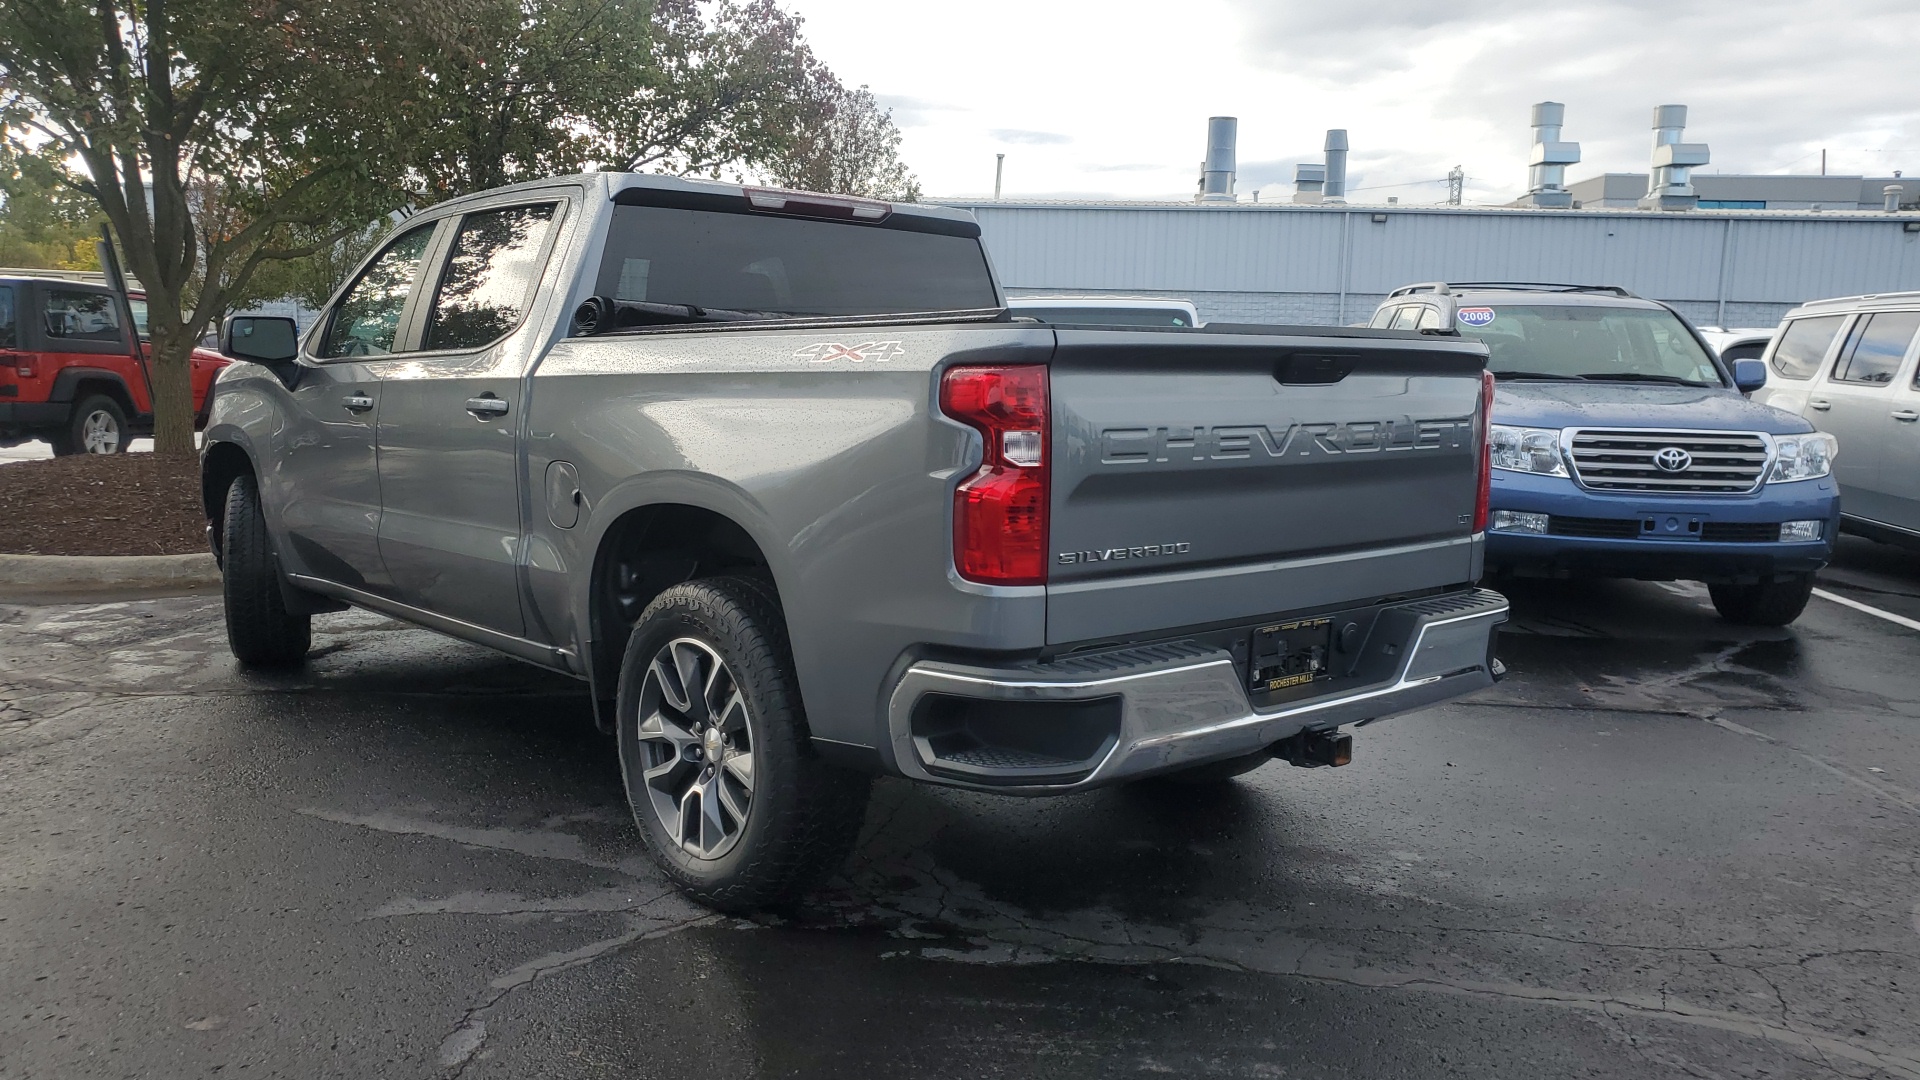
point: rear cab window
(1803, 345)
(1876, 347)
(769, 266)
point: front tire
(98, 426)
(1766, 603)
(730, 798)
(260, 630)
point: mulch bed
(88, 504)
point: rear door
(1859, 397)
(450, 526)
(1900, 466)
(1207, 478)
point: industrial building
(1672, 234)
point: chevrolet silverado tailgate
(1203, 478)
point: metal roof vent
(1308, 178)
(1670, 186)
(1216, 172)
(1547, 165)
(1893, 193)
(1336, 189)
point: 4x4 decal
(823, 352)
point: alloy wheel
(696, 742)
(100, 433)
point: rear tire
(731, 800)
(260, 630)
(98, 425)
(1766, 603)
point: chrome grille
(1622, 459)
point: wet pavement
(1664, 847)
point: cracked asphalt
(1664, 847)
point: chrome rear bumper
(1184, 703)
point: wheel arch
(220, 464)
(75, 383)
(644, 550)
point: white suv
(1849, 365)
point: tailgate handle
(1308, 369)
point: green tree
(207, 133)
(44, 224)
(851, 146)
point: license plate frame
(1288, 655)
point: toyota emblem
(1672, 459)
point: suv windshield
(1589, 342)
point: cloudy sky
(1112, 98)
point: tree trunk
(170, 359)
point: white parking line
(1856, 605)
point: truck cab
(1624, 446)
(69, 372)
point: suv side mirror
(1749, 375)
(271, 341)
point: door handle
(1906, 416)
(486, 407)
(1819, 403)
(357, 403)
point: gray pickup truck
(781, 479)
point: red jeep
(68, 370)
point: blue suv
(1623, 447)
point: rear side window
(369, 315)
(1405, 318)
(1803, 344)
(74, 315)
(1429, 319)
(9, 330)
(495, 260)
(1875, 348)
(787, 266)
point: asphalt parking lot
(1664, 847)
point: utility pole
(999, 164)
(1456, 185)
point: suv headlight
(1803, 457)
(1528, 450)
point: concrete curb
(106, 573)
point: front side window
(1876, 347)
(139, 306)
(77, 315)
(368, 318)
(1381, 318)
(1804, 344)
(1591, 342)
(488, 277)
(9, 331)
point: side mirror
(1749, 375)
(271, 341)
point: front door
(450, 525)
(325, 478)
(1858, 395)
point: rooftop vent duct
(1547, 166)
(1216, 173)
(1308, 179)
(1893, 193)
(1670, 187)
(1336, 189)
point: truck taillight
(1485, 495)
(26, 368)
(1000, 512)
